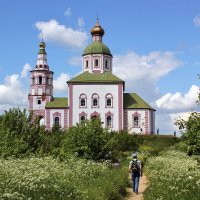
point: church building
(96, 92)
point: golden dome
(97, 29)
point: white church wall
(57, 113)
(101, 90)
(143, 122)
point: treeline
(20, 136)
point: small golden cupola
(97, 57)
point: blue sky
(155, 45)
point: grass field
(173, 175)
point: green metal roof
(97, 47)
(57, 103)
(42, 51)
(132, 100)
(86, 77)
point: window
(106, 64)
(95, 100)
(136, 121)
(39, 101)
(86, 64)
(96, 64)
(108, 121)
(82, 118)
(108, 103)
(40, 80)
(82, 100)
(56, 121)
(108, 100)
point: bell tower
(41, 84)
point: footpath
(142, 187)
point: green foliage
(191, 133)
(173, 175)
(21, 136)
(88, 140)
(48, 178)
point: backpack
(135, 167)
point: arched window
(109, 121)
(56, 121)
(40, 80)
(109, 100)
(82, 118)
(39, 101)
(82, 100)
(95, 100)
(136, 121)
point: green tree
(88, 140)
(191, 131)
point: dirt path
(142, 187)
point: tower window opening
(86, 64)
(39, 101)
(106, 64)
(96, 64)
(40, 80)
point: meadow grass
(48, 178)
(173, 175)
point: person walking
(135, 168)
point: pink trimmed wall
(120, 105)
(65, 118)
(146, 122)
(70, 105)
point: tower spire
(42, 57)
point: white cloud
(75, 61)
(26, 69)
(179, 101)
(197, 21)
(166, 122)
(81, 22)
(66, 36)
(12, 92)
(60, 84)
(141, 72)
(68, 12)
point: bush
(88, 140)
